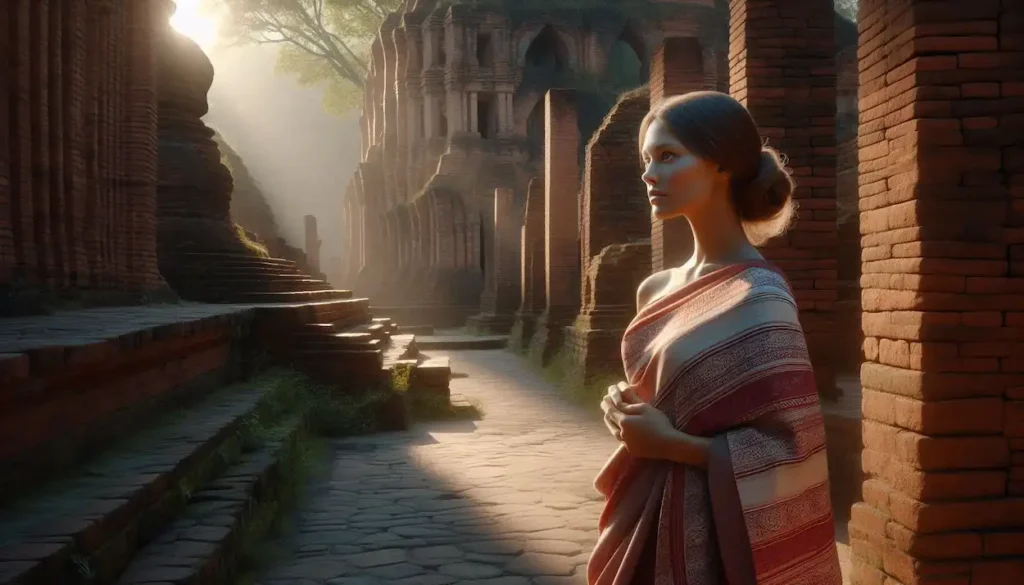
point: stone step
(85, 528)
(256, 284)
(417, 329)
(289, 297)
(462, 342)
(432, 376)
(198, 546)
(227, 258)
(347, 370)
(190, 269)
(402, 347)
(377, 330)
(389, 327)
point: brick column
(498, 304)
(312, 241)
(782, 63)
(39, 96)
(676, 68)
(7, 255)
(615, 222)
(941, 162)
(145, 20)
(561, 223)
(531, 263)
(76, 100)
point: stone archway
(628, 61)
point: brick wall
(532, 248)
(504, 257)
(677, 68)
(561, 186)
(782, 67)
(78, 156)
(615, 208)
(941, 163)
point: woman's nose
(649, 177)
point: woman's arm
(685, 449)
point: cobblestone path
(507, 500)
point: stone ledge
(120, 499)
(198, 548)
(93, 336)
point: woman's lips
(655, 195)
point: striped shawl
(725, 357)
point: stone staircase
(222, 277)
(170, 507)
(125, 451)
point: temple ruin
(454, 110)
(491, 195)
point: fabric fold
(725, 358)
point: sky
(301, 156)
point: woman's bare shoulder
(652, 287)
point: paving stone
(506, 500)
(470, 570)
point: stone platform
(177, 379)
(74, 381)
(459, 339)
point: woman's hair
(717, 128)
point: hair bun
(769, 192)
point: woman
(721, 476)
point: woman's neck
(718, 236)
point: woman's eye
(666, 156)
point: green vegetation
(322, 41)
(562, 372)
(327, 414)
(258, 248)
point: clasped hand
(643, 429)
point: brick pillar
(561, 223)
(56, 140)
(531, 259)
(941, 162)
(39, 96)
(312, 243)
(499, 302)
(120, 223)
(7, 253)
(75, 102)
(23, 226)
(143, 18)
(796, 111)
(676, 68)
(615, 222)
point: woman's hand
(647, 432)
(618, 396)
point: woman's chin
(662, 213)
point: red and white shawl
(726, 358)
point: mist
(300, 155)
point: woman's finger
(612, 427)
(615, 397)
(616, 416)
(628, 395)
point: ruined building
(454, 109)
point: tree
(321, 41)
(847, 8)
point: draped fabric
(725, 358)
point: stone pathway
(507, 500)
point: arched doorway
(627, 64)
(547, 59)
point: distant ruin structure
(454, 110)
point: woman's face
(677, 180)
